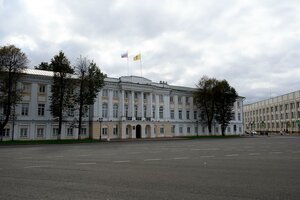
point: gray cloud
(253, 44)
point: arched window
(104, 110)
(115, 111)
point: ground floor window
(173, 129)
(6, 132)
(162, 130)
(40, 132)
(104, 131)
(180, 129)
(188, 130)
(70, 132)
(115, 131)
(23, 132)
(54, 132)
(83, 131)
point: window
(195, 114)
(135, 110)
(70, 132)
(115, 110)
(233, 116)
(145, 111)
(126, 95)
(23, 132)
(238, 104)
(171, 99)
(298, 104)
(104, 110)
(42, 89)
(276, 108)
(41, 109)
(179, 99)
(83, 131)
(180, 114)
(40, 132)
(173, 129)
(115, 94)
(24, 109)
(115, 130)
(240, 129)
(153, 111)
(180, 129)
(188, 130)
(228, 129)
(104, 131)
(135, 95)
(280, 107)
(172, 114)
(162, 130)
(239, 116)
(161, 112)
(160, 98)
(6, 132)
(70, 111)
(26, 87)
(104, 93)
(187, 114)
(126, 110)
(54, 131)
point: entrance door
(138, 131)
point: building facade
(126, 107)
(277, 114)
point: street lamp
(100, 120)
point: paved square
(230, 168)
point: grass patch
(30, 142)
(212, 136)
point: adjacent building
(126, 107)
(277, 114)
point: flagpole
(127, 65)
(141, 65)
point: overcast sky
(254, 45)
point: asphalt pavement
(230, 168)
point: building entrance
(138, 131)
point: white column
(122, 101)
(132, 105)
(191, 108)
(149, 105)
(175, 98)
(166, 107)
(183, 107)
(156, 106)
(110, 104)
(142, 104)
(100, 104)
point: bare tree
(12, 63)
(90, 81)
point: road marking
(295, 151)
(207, 156)
(275, 152)
(91, 163)
(155, 152)
(152, 159)
(207, 149)
(23, 158)
(231, 155)
(134, 152)
(253, 154)
(121, 161)
(181, 158)
(35, 166)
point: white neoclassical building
(276, 114)
(126, 107)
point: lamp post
(100, 120)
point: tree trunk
(223, 128)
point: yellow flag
(137, 57)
